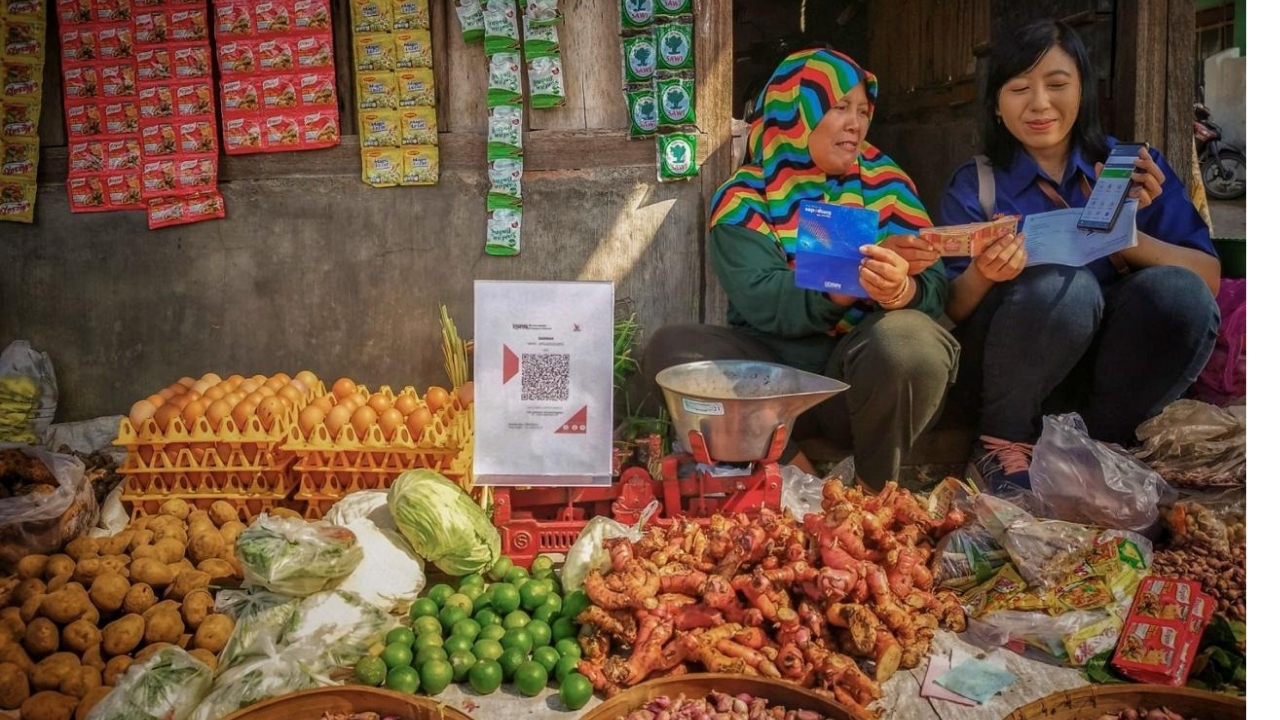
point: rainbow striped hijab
(765, 193)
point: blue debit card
(827, 246)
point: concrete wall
(1224, 93)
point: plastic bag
(89, 436)
(369, 504)
(277, 672)
(343, 624)
(167, 686)
(28, 394)
(391, 574)
(1195, 444)
(588, 552)
(296, 557)
(41, 521)
(1223, 379)
(1212, 520)
(1071, 638)
(966, 558)
(260, 616)
(801, 492)
(1082, 480)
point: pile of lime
(518, 628)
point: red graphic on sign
(510, 364)
(577, 425)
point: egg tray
(449, 430)
(247, 507)
(206, 447)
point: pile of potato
(76, 621)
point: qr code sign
(544, 378)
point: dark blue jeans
(1054, 340)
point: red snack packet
(124, 154)
(188, 24)
(79, 44)
(84, 120)
(242, 135)
(115, 41)
(155, 64)
(87, 194)
(159, 177)
(88, 156)
(119, 117)
(124, 190)
(197, 136)
(192, 61)
(155, 101)
(117, 81)
(1163, 631)
(194, 99)
(80, 83)
(232, 19)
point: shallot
(718, 706)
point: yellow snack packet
(411, 14)
(371, 16)
(417, 87)
(379, 128)
(418, 127)
(375, 53)
(17, 199)
(381, 166)
(421, 166)
(994, 594)
(377, 91)
(21, 79)
(1090, 640)
(20, 157)
(413, 49)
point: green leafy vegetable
(443, 524)
(295, 557)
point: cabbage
(443, 524)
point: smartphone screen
(1111, 189)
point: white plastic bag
(345, 626)
(277, 672)
(391, 574)
(588, 552)
(260, 617)
(801, 492)
(41, 522)
(370, 504)
(28, 394)
(167, 686)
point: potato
(63, 606)
(31, 608)
(285, 513)
(11, 625)
(32, 566)
(222, 512)
(163, 627)
(59, 565)
(117, 564)
(205, 657)
(93, 657)
(138, 599)
(152, 572)
(82, 547)
(198, 516)
(162, 606)
(175, 531)
(88, 569)
(116, 667)
(123, 635)
(181, 566)
(50, 671)
(218, 570)
(206, 546)
(141, 538)
(196, 606)
(231, 531)
(116, 544)
(58, 582)
(26, 589)
(213, 633)
(13, 654)
(147, 552)
(80, 681)
(80, 635)
(49, 705)
(13, 686)
(41, 638)
(187, 582)
(175, 507)
(170, 550)
(108, 591)
(145, 653)
(91, 698)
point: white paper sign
(1054, 239)
(544, 383)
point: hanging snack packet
(471, 17)
(501, 201)
(677, 156)
(505, 137)
(377, 91)
(380, 128)
(20, 157)
(413, 49)
(502, 234)
(418, 126)
(417, 88)
(542, 13)
(371, 16)
(639, 58)
(540, 40)
(642, 106)
(504, 80)
(381, 166)
(676, 101)
(17, 200)
(505, 175)
(675, 45)
(501, 31)
(410, 15)
(546, 82)
(672, 8)
(421, 166)
(375, 53)
(636, 14)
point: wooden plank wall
(1155, 76)
(920, 44)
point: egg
(268, 388)
(234, 397)
(211, 378)
(390, 421)
(467, 394)
(249, 385)
(416, 421)
(437, 397)
(194, 411)
(166, 394)
(309, 418)
(302, 387)
(351, 402)
(235, 379)
(179, 401)
(201, 387)
(380, 402)
(141, 411)
(362, 419)
(186, 382)
(291, 395)
(217, 392)
(343, 388)
(177, 389)
(260, 378)
(336, 418)
(324, 403)
(241, 413)
(275, 384)
(270, 409)
(157, 400)
(406, 404)
(256, 396)
(283, 378)
(217, 410)
(307, 378)
(192, 394)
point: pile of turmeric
(771, 596)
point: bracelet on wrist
(902, 298)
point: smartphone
(1111, 189)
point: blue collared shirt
(1171, 218)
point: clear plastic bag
(801, 492)
(1195, 444)
(1212, 520)
(278, 671)
(340, 623)
(1071, 638)
(167, 686)
(261, 617)
(40, 522)
(588, 552)
(296, 557)
(28, 394)
(1082, 480)
(966, 558)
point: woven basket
(697, 685)
(312, 704)
(1088, 703)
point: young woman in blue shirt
(1115, 341)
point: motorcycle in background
(1221, 163)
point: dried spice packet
(642, 108)
(675, 44)
(636, 14)
(639, 58)
(420, 166)
(676, 95)
(677, 156)
(381, 167)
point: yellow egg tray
(448, 430)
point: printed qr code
(544, 378)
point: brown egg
(302, 387)
(249, 385)
(217, 410)
(270, 409)
(179, 401)
(177, 389)
(140, 413)
(282, 378)
(406, 404)
(309, 418)
(157, 400)
(241, 413)
(351, 402)
(390, 421)
(362, 419)
(256, 396)
(343, 388)
(324, 403)
(234, 397)
(201, 387)
(191, 394)
(193, 411)
(307, 378)
(235, 380)
(291, 395)
(217, 392)
(380, 402)
(267, 389)
(336, 418)
(260, 378)
(416, 421)
(437, 397)
(467, 394)
(275, 384)
(166, 394)
(186, 382)
(211, 378)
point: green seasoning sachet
(501, 31)
(546, 82)
(677, 156)
(675, 45)
(502, 201)
(504, 80)
(642, 107)
(502, 234)
(636, 14)
(672, 8)
(544, 12)
(505, 137)
(640, 58)
(505, 175)
(540, 41)
(676, 101)
(471, 17)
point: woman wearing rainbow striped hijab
(808, 142)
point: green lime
(576, 691)
(476, 578)
(515, 619)
(439, 593)
(371, 671)
(450, 615)
(401, 635)
(424, 607)
(403, 679)
(520, 582)
(563, 628)
(428, 640)
(500, 568)
(461, 662)
(514, 574)
(427, 625)
(533, 594)
(518, 638)
(485, 676)
(556, 589)
(568, 646)
(542, 566)
(530, 678)
(574, 603)
(492, 632)
(436, 676)
(430, 652)
(547, 657)
(480, 602)
(466, 627)
(397, 655)
(472, 592)
(555, 601)
(547, 613)
(459, 600)
(510, 660)
(567, 664)
(540, 632)
(457, 643)
(488, 616)
(505, 597)
(487, 649)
